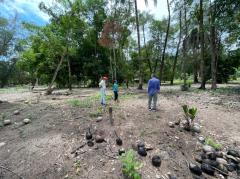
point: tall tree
(201, 27)
(178, 45)
(165, 42)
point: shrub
(130, 165)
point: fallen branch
(81, 146)
(11, 171)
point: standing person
(153, 89)
(102, 86)
(115, 90)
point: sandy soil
(44, 148)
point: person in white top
(102, 86)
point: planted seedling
(88, 134)
(130, 165)
(118, 140)
(190, 114)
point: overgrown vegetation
(130, 165)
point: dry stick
(110, 115)
(11, 171)
(81, 146)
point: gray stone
(201, 139)
(196, 128)
(99, 119)
(16, 112)
(171, 124)
(208, 148)
(233, 158)
(26, 121)
(6, 122)
(222, 161)
(2, 144)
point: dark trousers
(115, 95)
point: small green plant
(212, 143)
(74, 102)
(190, 114)
(130, 165)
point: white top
(102, 84)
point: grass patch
(214, 144)
(96, 113)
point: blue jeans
(151, 98)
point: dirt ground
(46, 147)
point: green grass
(214, 144)
(17, 89)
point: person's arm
(148, 86)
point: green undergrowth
(214, 144)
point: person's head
(153, 75)
(105, 78)
(115, 81)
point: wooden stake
(110, 115)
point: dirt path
(43, 148)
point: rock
(119, 141)
(90, 143)
(204, 156)
(171, 124)
(206, 168)
(6, 122)
(221, 161)
(2, 144)
(156, 161)
(223, 169)
(171, 176)
(99, 119)
(234, 159)
(121, 151)
(88, 135)
(219, 154)
(142, 151)
(212, 155)
(231, 167)
(208, 148)
(233, 153)
(198, 159)
(177, 122)
(195, 169)
(201, 139)
(210, 162)
(26, 121)
(99, 139)
(196, 128)
(17, 112)
(140, 144)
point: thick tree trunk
(202, 67)
(195, 73)
(49, 90)
(214, 49)
(185, 47)
(115, 64)
(139, 47)
(178, 45)
(165, 42)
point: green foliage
(189, 112)
(212, 143)
(130, 165)
(74, 102)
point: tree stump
(110, 115)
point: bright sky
(28, 9)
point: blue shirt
(115, 87)
(153, 86)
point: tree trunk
(49, 90)
(213, 48)
(111, 66)
(146, 50)
(202, 67)
(139, 47)
(195, 73)
(185, 47)
(178, 45)
(165, 42)
(69, 74)
(115, 64)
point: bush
(131, 165)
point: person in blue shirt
(115, 90)
(153, 89)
